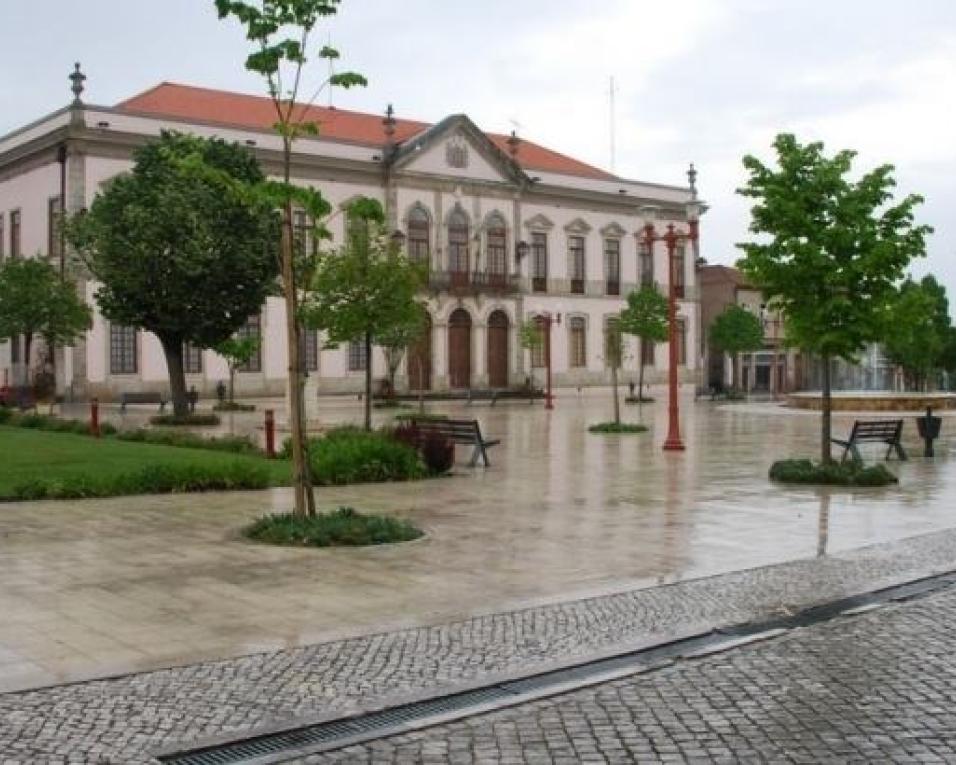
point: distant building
(774, 369)
(510, 231)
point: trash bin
(928, 427)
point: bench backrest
(456, 430)
(876, 430)
(142, 397)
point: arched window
(458, 242)
(418, 236)
(496, 243)
(578, 329)
(612, 266)
(645, 263)
(576, 254)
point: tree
(614, 358)
(646, 318)
(918, 330)
(181, 246)
(395, 341)
(829, 251)
(736, 330)
(35, 302)
(365, 290)
(236, 351)
(281, 32)
(531, 337)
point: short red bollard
(95, 417)
(270, 433)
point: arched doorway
(420, 359)
(459, 349)
(498, 350)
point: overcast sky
(697, 80)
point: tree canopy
(365, 290)
(35, 302)
(645, 317)
(919, 331)
(828, 250)
(182, 246)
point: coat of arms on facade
(456, 153)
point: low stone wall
(868, 402)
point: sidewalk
(125, 718)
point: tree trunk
(640, 376)
(299, 465)
(617, 404)
(826, 407)
(368, 381)
(27, 348)
(173, 349)
(232, 384)
(734, 370)
(421, 385)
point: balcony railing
(474, 281)
(539, 283)
(612, 287)
(577, 286)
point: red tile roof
(245, 111)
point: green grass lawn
(27, 455)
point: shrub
(36, 421)
(342, 527)
(5, 414)
(169, 437)
(406, 433)
(193, 419)
(106, 429)
(150, 479)
(832, 473)
(391, 403)
(355, 456)
(617, 427)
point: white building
(469, 203)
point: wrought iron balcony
(473, 281)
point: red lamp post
(546, 320)
(671, 237)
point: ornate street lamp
(521, 252)
(671, 237)
(547, 320)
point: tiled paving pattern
(872, 688)
(122, 720)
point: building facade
(510, 231)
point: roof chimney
(513, 143)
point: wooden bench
(142, 397)
(482, 395)
(873, 431)
(459, 432)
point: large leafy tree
(736, 330)
(918, 330)
(281, 33)
(645, 317)
(35, 302)
(181, 246)
(366, 289)
(829, 250)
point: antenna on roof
(331, 60)
(515, 126)
(612, 121)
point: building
(511, 231)
(771, 370)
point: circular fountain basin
(874, 401)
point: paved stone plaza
(871, 688)
(99, 587)
(500, 584)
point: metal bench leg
(900, 452)
(474, 455)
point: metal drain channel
(272, 747)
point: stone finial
(77, 78)
(389, 123)
(692, 180)
(513, 143)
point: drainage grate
(335, 734)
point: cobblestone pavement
(871, 688)
(123, 719)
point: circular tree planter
(617, 428)
(804, 471)
(187, 420)
(344, 527)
